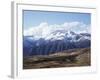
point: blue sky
(34, 18)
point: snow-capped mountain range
(55, 41)
(61, 35)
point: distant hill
(57, 41)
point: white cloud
(43, 29)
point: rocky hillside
(66, 58)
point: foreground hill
(66, 58)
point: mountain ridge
(55, 42)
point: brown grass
(61, 59)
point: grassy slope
(59, 59)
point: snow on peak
(55, 31)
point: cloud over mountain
(44, 29)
